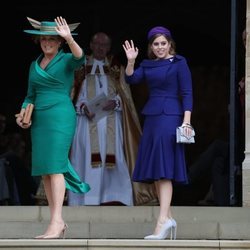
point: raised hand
(62, 27)
(130, 50)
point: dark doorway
(201, 30)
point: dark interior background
(201, 30)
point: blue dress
(170, 94)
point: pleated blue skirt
(159, 156)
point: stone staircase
(118, 227)
(128, 244)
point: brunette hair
(172, 50)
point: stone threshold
(131, 244)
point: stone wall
(246, 163)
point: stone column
(246, 163)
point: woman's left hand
(188, 129)
(62, 28)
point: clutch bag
(28, 113)
(182, 138)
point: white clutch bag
(182, 138)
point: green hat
(47, 28)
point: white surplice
(107, 184)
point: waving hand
(130, 50)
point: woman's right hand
(19, 119)
(130, 50)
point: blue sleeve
(136, 78)
(185, 85)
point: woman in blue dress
(51, 77)
(160, 159)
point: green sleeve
(30, 97)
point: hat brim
(46, 33)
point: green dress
(53, 118)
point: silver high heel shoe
(174, 229)
(166, 228)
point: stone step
(118, 222)
(128, 244)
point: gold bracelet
(71, 41)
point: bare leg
(47, 188)
(164, 190)
(54, 186)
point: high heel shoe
(174, 229)
(165, 230)
(40, 236)
(61, 234)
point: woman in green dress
(53, 120)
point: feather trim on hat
(34, 23)
(73, 26)
(37, 24)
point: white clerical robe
(107, 184)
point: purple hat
(158, 30)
